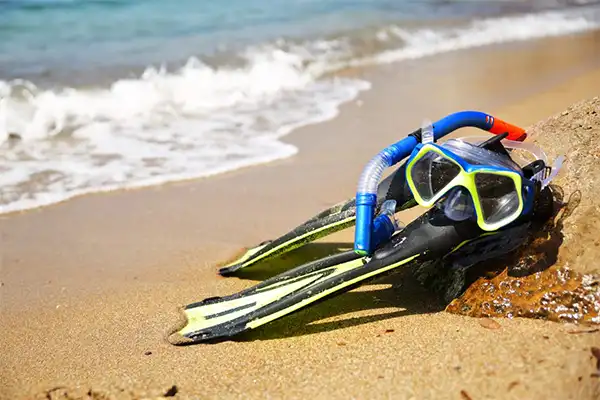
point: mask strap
(556, 166)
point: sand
(91, 286)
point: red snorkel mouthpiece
(514, 132)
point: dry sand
(91, 286)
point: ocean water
(97, 95)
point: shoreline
(367, 73)
(91, 284)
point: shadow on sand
(388, 297)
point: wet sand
(91, 286)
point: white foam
(199, 121)
(426, 42)
(161, 127)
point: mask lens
(432, 173)
(458, 206)
(498, 195)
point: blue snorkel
(369, 231)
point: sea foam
(202, 120)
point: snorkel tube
(368, 232)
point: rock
(550, 272)
(578, 180)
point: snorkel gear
(366, 237)
(445, 235)
(495, 183)
(458, 204)
(394, 194)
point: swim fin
(429, 237)
(336, 218)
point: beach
(92, 286)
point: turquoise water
(56, 38)
(102, 95)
